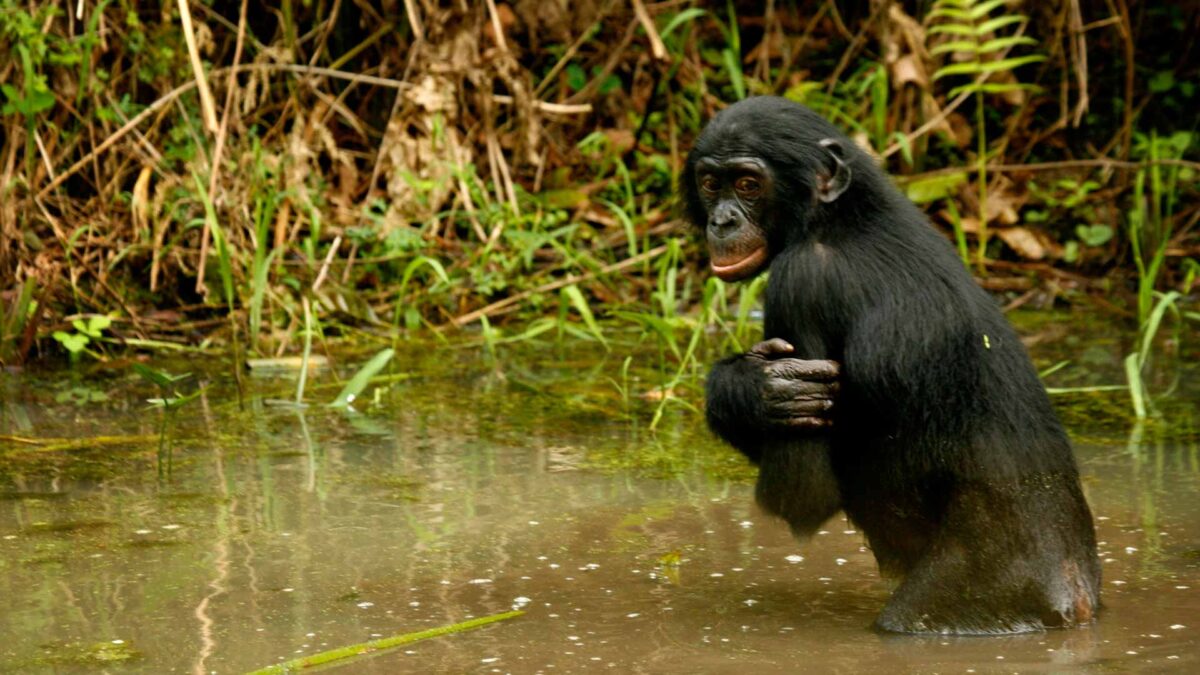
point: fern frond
(978, 67)
(952, 29)
(999, 44)
(992, 88)
(955, 46)
(993, 25)
(950, 13)
(983, 9)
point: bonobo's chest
(806, 301)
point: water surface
(468, 489)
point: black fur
(944, 449)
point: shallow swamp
(242, 532)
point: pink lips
(742, 268)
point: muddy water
(469, 489)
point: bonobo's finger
(805, 422)
(772, 347)
(803, 369)
(778, 388)
(810, 407)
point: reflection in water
(287, 531)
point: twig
(495, 307)
(1079, 56)
(414, 21)
(657, 49)
(496, 27)
(546, 106)
(337, 241)
(207, 107)
(42, 151)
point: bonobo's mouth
(732, 270)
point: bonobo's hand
(798, 393)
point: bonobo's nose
(722, 221)
(721, 226)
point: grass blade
(362, 378)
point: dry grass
(352, 138)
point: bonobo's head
(762, 173)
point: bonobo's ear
(830, 187)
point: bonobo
(888, 384)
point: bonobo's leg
(983, 575)
(763, 395)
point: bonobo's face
(735, 192)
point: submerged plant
(170, 401)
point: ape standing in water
(942, 445)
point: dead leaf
(909, 70)
(1024, 241)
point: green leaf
(1094, 235)
(681, 18)
(955, 46)
(575, 296)
(935, 187)
(94, 327)
(967, 68)
(173, 402)
(1162, 81)
(997, 23)
(992, 88)
(1010, 63)
(576, 77)
(73, 342)
(979, 67)
(950, 13)
(735, 73)
(610, 83)
(1137, 393)
(984, 8)
(362, 378)
(901, 139)
(999, 44)
(1071, 252)
(160, 378)
(952, 29)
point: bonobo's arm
(764, 394)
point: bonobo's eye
(748, 186)
(709, 184)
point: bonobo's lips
(733, 270)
